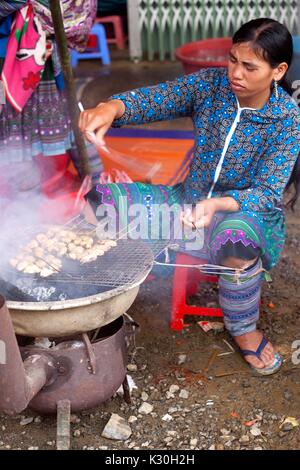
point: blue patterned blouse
(262, 150)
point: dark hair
(272, 41)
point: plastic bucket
(205, 53)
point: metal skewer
(127, 161)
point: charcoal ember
(12, 292)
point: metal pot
(75, 380)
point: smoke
(19, 215)
(25, 210)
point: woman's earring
(276, 89)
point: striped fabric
(6, 8)
(240, 301)
(43, 128)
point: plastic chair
(100, 51)
(185, 283)
(296, 44)
(119, 37)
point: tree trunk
(69, 83)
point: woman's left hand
(89, 214)
(202, 214)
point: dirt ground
(217, 406)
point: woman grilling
(247, 140)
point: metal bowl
(96, 294)
(116, 280)
(69, 317)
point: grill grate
(124, 265)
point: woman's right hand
(97, 121)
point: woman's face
(249, 74)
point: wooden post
(69, 83)
(63, 425)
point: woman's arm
(169, 100)
(8, 7)
(165, 101)
(97, 121)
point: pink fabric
(25, 58)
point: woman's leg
(236, 242)
(240, 303)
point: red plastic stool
(119, 37)
(185, 283)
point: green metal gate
(157, 27)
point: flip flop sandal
(268, 370)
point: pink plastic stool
(186, 282)
(119, 37)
